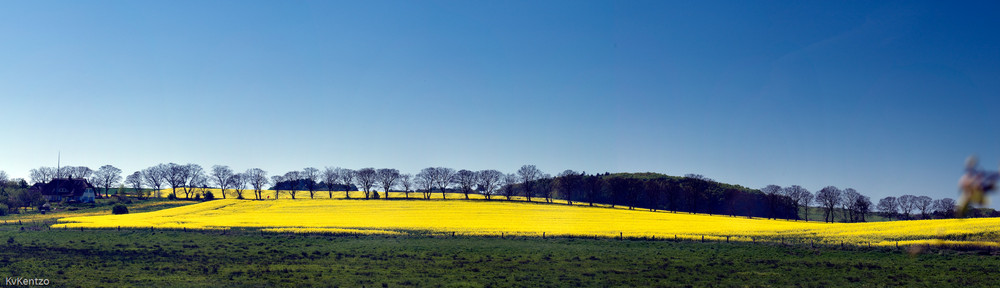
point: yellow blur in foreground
(493, 218)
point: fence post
(727, 239)
(621, 236)
(543, 235)
(702, 238)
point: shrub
(119, 209)
(3, 209)
(171, 196)
(209, 196)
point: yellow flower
(496, 218)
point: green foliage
(119, 209)
(209, 196)
(171, 196)
(4, 209)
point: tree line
(691, 193)
(902, 206)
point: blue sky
(885, 97)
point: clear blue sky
(884, 97)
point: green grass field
(248, 258)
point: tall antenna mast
(58, 162)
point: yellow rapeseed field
(496, 218)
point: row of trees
(854, 206)
(691, 193)
(902, 206)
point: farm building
(68, 189)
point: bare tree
(544, 185)
(155, 177)
(387, 177)
(509, 181)
(568, 182)
(488, 181)
(528, 174)
(221, 175)
(923, 203)
(64, 172)
(42, 174)
(293, 178)
(425, 180)
(406, 180)
(771, 193)
(134, 180)
(78, 172)
(311, 176)
(195, 177)
(330, 177)
(199, 185)
(862, 206)
(346, 178)
(239, 183)
(257, 178)
(806, 201)
(888, 206)
(829, 197)
(906, 204)
(175, 177)
(795, 192)
(465, 179)
(106, 177)
(848, 199)
(366, 180)
(945, 206)
(277, 179)
(443, 177)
